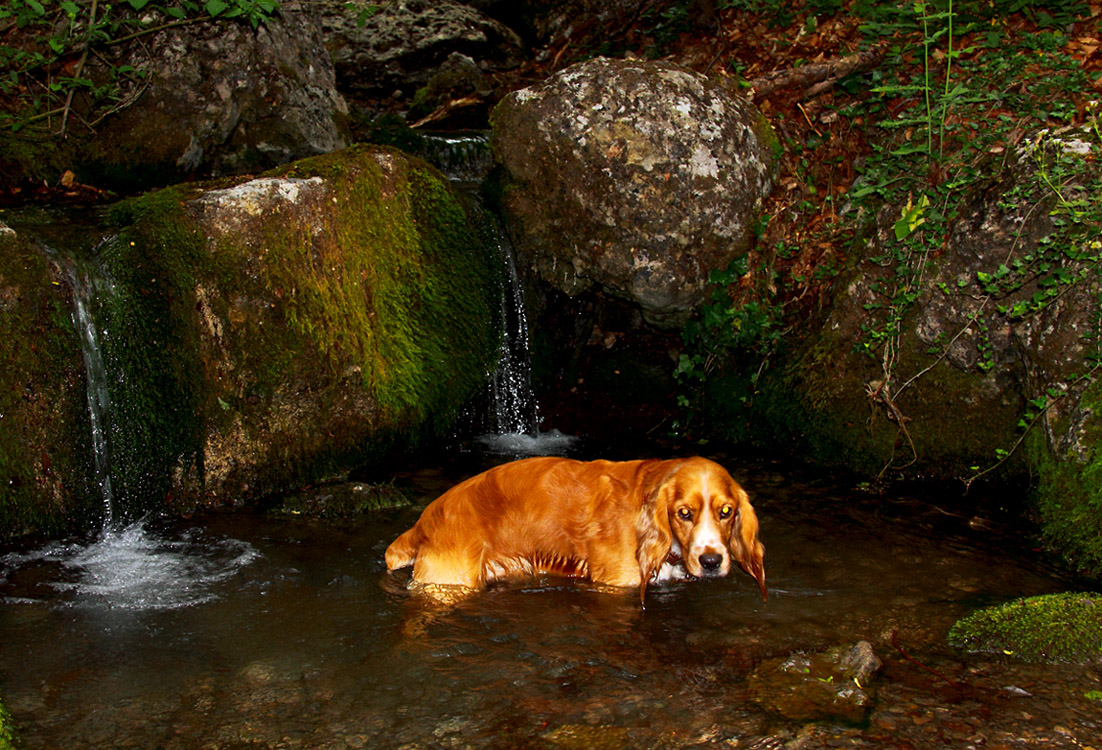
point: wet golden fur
(618, 523)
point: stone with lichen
(636, 178)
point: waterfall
(99, 397)
(127, 567)
(514, 406)
(513, 414)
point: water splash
(133, 568)
(125, 567)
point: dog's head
(698, 506)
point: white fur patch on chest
(672, 568)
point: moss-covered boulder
(275, 331)
(1052, 628)
(257, 335)
(45, 451)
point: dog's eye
(726, 511)
(685, 514)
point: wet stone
(834, 685)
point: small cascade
(513, 421)
(99, 397)
(128, 566)
(463, 157)
(513, 404)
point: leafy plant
(725, 327)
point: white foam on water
(136, 569)
(551, 443)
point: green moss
(1067, 494)
(399, 290)
(44, 437)
(7, 732)
(151, 346)
(812, 399)
(343, 500)
(1053, 628)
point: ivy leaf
(214, 7)
(911, 218)
(138, 4)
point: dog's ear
(654, 538)
(745, 547)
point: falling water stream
(99, 398)
(128, 566)
(513, 420)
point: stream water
(244, 630)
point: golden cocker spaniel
(618, 523)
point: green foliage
(45, 75)
(1056, 628)
(946, 110)
(726, 328)
(940, 150)
(7, 732)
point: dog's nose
(711, 560)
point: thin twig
(895, 644)
(80, 65)
(155, 29)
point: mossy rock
(45, 442)
(1067, 495)
(277, 331)
(342, 500)
(1054, 628)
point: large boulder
(213, 97)
(259, 334)
(975, 356)
(415, 52)
(636, 178)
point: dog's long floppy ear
(654, 538)
(747, 550)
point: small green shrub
(7, 734)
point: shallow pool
(244, 630)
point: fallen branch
(445, 110)
(816, 78)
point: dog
(615, 523)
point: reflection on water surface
(251, 631)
